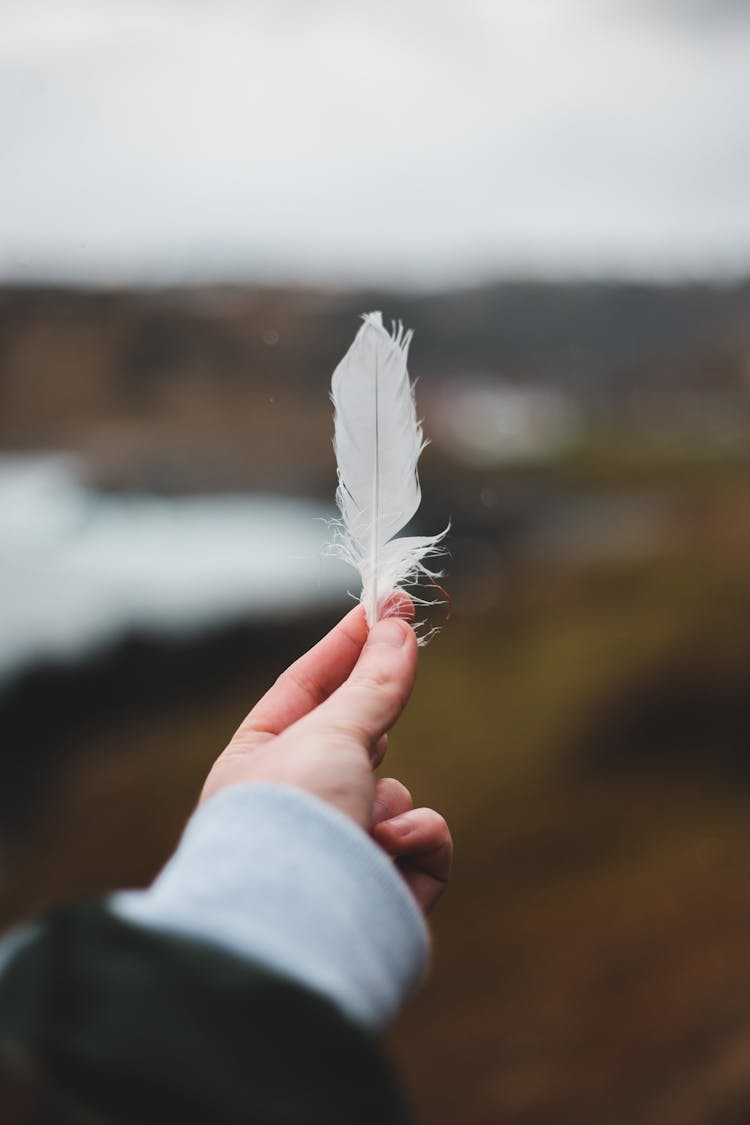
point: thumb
(368, 703)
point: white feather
(378, 441)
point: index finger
(311, 679)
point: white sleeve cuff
(276, 875)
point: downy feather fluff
(378, 441)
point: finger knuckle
(306, 683)
(381, 686)
(347, 731)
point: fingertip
(391, 799)
(392, 833)
(392, 631)
(354, 625)
(418, 831)
(382, 830)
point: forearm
(275, 875)
(241, 986)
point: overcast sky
(419, 141)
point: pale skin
(323, 727)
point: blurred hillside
(195, 389)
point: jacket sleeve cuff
(276, 875)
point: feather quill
(378, 440)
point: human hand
(419, 840)
(323, 727)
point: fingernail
(390, 632)
(401, 825)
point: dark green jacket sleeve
(104, 1022)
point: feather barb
(378, 440)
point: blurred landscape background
(197, 202)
